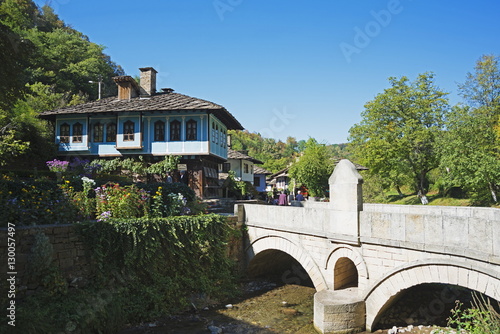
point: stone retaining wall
(68, 254)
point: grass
(433, 196)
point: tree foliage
(470, 148)
(276, 154)
(48, 65)
(313, 168)
(397, 137)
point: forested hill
(276, 154)
(44, 64)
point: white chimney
(148, 81)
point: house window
(256, 181)
(191, 129)
(98, 133)
(223, 139)
(64, 133)
(217, 134)
(245, 168)
(111, 132)
(175, 131)
(159, 131)
(77, 132)
(128, 131)
(226, 167)
(213, 132)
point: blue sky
(291, 68)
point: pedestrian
(282, 199)
(184, 177)
(299, 196)
(169, 179)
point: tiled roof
(231, 154)
(165, 102)
(283, 172)
(260, 170)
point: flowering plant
(104, 216)
(57, 165)
(122, 202)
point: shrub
(35, 202)
(121, 202)
(480, 318)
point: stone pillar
(346, 201)
(339, 312)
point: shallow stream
(263, 308)
(267, 307)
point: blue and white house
(142, 121)
(259, 179)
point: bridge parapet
(463, 231)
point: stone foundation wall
(68, 254)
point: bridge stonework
(360, 256)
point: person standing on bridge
(282, 199)
(299, 196)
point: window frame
(129, 131)
(98, 132)
(159, 130)
(191, 130)
(111, 135)
(175, 130)
(77, 136)
(64, 133)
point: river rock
(290, 311)
(214, 329)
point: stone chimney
(127, 87)
(148, 81)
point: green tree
(397, 137)
(48, 65)
(15, 56)
(470, 148)
(313, 168)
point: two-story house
(242, 164)
(142, 121)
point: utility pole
(99, 85)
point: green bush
(480, 318)
(144, 269)
(32, 202)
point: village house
(259, 179)
(143, 122)
(242, 164)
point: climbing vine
(161, 262)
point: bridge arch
(295, 251)
(466, 275)
(337, 257)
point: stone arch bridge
(360, 256)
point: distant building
(280, 180)
(142, 121)
(259, 178)
(242, 164)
